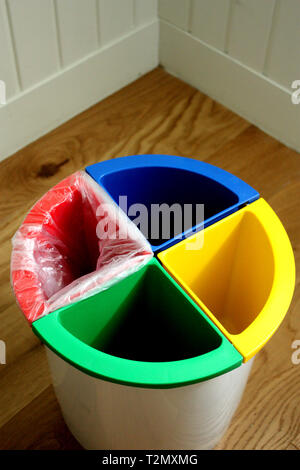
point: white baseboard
(42, 108)
(248, 93)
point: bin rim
(244, 193)
(256, 335)
(137, 373)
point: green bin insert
(144, 330)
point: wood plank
(269, 412)
(210, 20)
(22, 381)
(38, 426)
(253, 156)
(77, 25)
(248, 36)
(34, 32)
(296, 442)
(291, 447)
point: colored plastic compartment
(166, 179)
(243, 276)
(57, 255)
(129, 335)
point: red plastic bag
(59, 254)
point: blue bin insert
(164, 179)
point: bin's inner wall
(232, 274)
(73, 233)
(160, 185)
(143, 318)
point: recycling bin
(150, 342)
(142, 371)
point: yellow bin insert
(243, 276)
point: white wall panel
(250, 26)
(34, 33)
(176, 12)
(8, 71)
(115, 19)
(38, 38)
(77, 25)
(145, 11)
(209, 20)
(283, 60)
(50, 34)
(245, 91)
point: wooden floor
(156, 114)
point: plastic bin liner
(73, 243)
